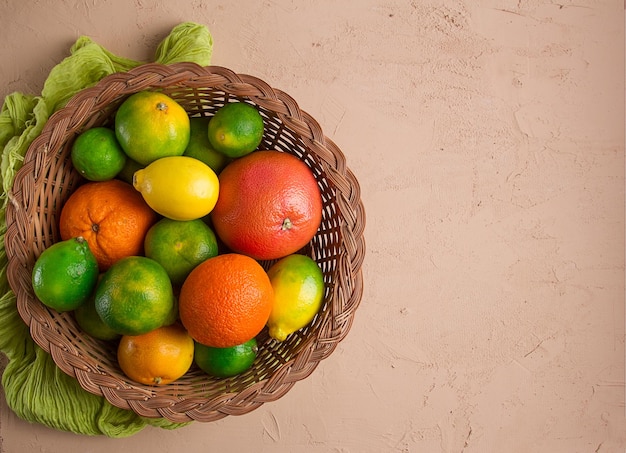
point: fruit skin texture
(158, 357)
(179, 188)
(226, 362)
(135, 296)
(90, 322)
(65, 274)
(97, 155)
(200, 147)
(151, 125)
(236, 129)
(226, 300)
(111, 216)
(298, 285)
(269, 205)
(179, 246)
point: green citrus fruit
(129, 169)
(298, 285)
(135, 296)
(97, 155)
(236, 129)
(179, 246)
(150, 125)
(65, 274)
(226, 362)
(200, 147)
(90, 322)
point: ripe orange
(269, 205)
(226, 300)
(158, 357)
(111, 215)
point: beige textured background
(488, 137)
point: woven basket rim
(24, 239)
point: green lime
(135, 296)
(200, 147)
(97, 155)
(180, 245)
(90, 322)
(150, 125)
(226, 362)
(65, 274)
(129, 169)
(236, 129)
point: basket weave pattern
(47, 178)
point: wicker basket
(47, 178)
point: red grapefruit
(269, 205)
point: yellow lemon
(178, 187)
(298, 285)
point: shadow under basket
(47, 179)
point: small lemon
(298, 285)
(178, 187)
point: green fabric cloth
(35, 389)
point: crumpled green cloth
(35, 388)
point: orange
(269, 205)
(179, 246)
(150, 125)
(226, 300)
(236, 129)
(135, 296)
(111, 215)
(158, 357)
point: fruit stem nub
(286, 224)
(161, 106)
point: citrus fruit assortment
(185, 241)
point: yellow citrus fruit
(179, 187)
(180, 245)
(236, 129)
(65, 274)
(90, 322)
(226, 362)
(97, 155)
(298, 285)
(200, 147)
(158, 357)
(135, 296)
(150, 125)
